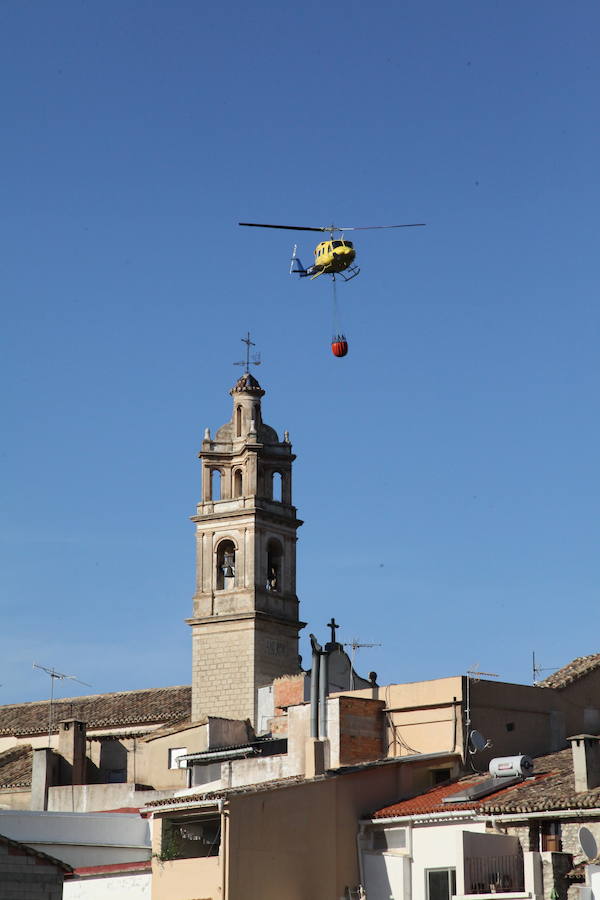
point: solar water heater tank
(511, 766)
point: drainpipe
(323, 686)
(314, 687)
(224, 839)
(454, 725)
(359, 842)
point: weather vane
(255, 361)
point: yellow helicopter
(333, 257)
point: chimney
(44, 775)
(71, 746)
(586, 761)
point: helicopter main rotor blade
(286, 227)
(371, 227)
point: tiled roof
(181, 799)
(431, 801)
(15, 766)
(172, 728)
(556, 791)
(552, 787)
(119, 709)
(579, 667)
(182, 725)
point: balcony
(494, 874)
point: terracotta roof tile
(119, 709)
(15, 766)
(574, 670)
(179, 799)
(552, 787)
(555, 791)
(431, 801)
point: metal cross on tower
(248, 362)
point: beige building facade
(285, 840)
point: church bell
(228, 568)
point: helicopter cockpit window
(337, 243)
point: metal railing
(494, 874)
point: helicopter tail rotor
(296, 267)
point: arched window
(238, 422)
(274, 566)
(238, 484)
(225, 574)
(276, 487)
(215, 484)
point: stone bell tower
(245, 615)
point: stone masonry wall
(24, 876)
(276, 651)
(555, 865)
(222, 671)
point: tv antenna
(255, 361)
(537, 669)
(473, 675)
(56, 676)
(355, 645)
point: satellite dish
(587, 842)
(478, 742)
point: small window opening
(238, 422)
(389, 839)
(510, 726)
(439, 776)
(117, 776)
(551, 837)
(238, 484)
(225, 566)
(189, 838)
(174, 757)
(276, 487)
(215, 484)
(274, 558)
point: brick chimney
(71, 746)
(586, 761)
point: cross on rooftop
(248, 362)
(333, 625)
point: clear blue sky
(447, 468)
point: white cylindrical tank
(511, 766)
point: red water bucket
(339, 345)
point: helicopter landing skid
(350, 273)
